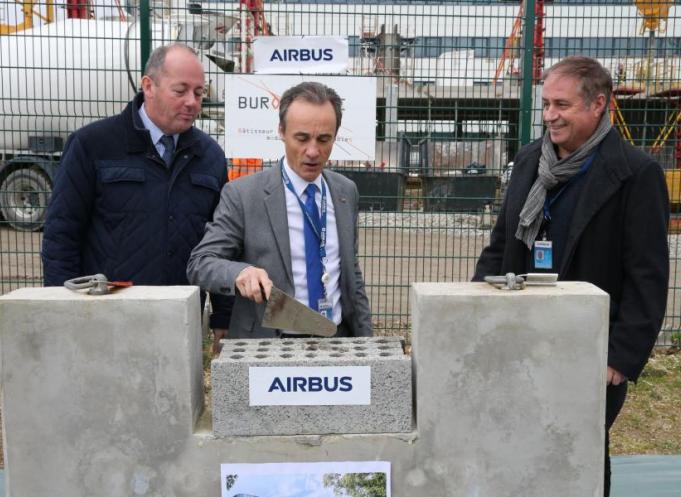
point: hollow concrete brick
(389, 411)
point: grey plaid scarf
(551, 172)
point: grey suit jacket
(250, 228)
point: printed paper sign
(252, 115)
(309, 386)
(309, 479)
(300, 55)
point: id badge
(543, 254)
(324, 307)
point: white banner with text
(300, 55)
(252, 115)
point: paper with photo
(314, 479)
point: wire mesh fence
(456, 98)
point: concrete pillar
(511, 387)
(97, 390)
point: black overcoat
(617, 240)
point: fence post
(145, 33)
(527, 57)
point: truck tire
(24, 195)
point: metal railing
(456, 99)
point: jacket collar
(138, 137)
(275, 207)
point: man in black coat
(134, 191)
(587, 205)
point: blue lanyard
(582, 170)
(319, 231)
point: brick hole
(360, 354)
(265, 343)
(335, 354)
(237, 356)
(311, 354)
(385, 354)
(287, 342)
(358, 341)
(240, 344)
(261, 356)
(286, 356)
(335, 342)
(382, 340)
(287, 349)
(312, 342)
(384, 347)
(359, 348)
(263, 349)
(312, 347)
(239, 350)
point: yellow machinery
(28, 13)
(654, 13)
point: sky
(290, 485)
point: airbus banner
(300, 55)
(309, 386)
(252, 115)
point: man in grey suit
(293, 226)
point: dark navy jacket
(117, 209)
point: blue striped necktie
(313, 260)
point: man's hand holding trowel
(254, 283)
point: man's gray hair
(594, 79)
(314, 93)
(154, 66)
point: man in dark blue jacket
(134, 191)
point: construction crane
(512, 44)
(253, 23)
(655, 14)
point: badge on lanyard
(325, 308)
(543, 254)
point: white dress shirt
(297, 242)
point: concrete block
(87, 379)
(390, 408)
(511, 387)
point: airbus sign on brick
(308, 386)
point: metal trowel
(286, 313)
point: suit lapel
(344, 223)
(275, 207)
(603, 180)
